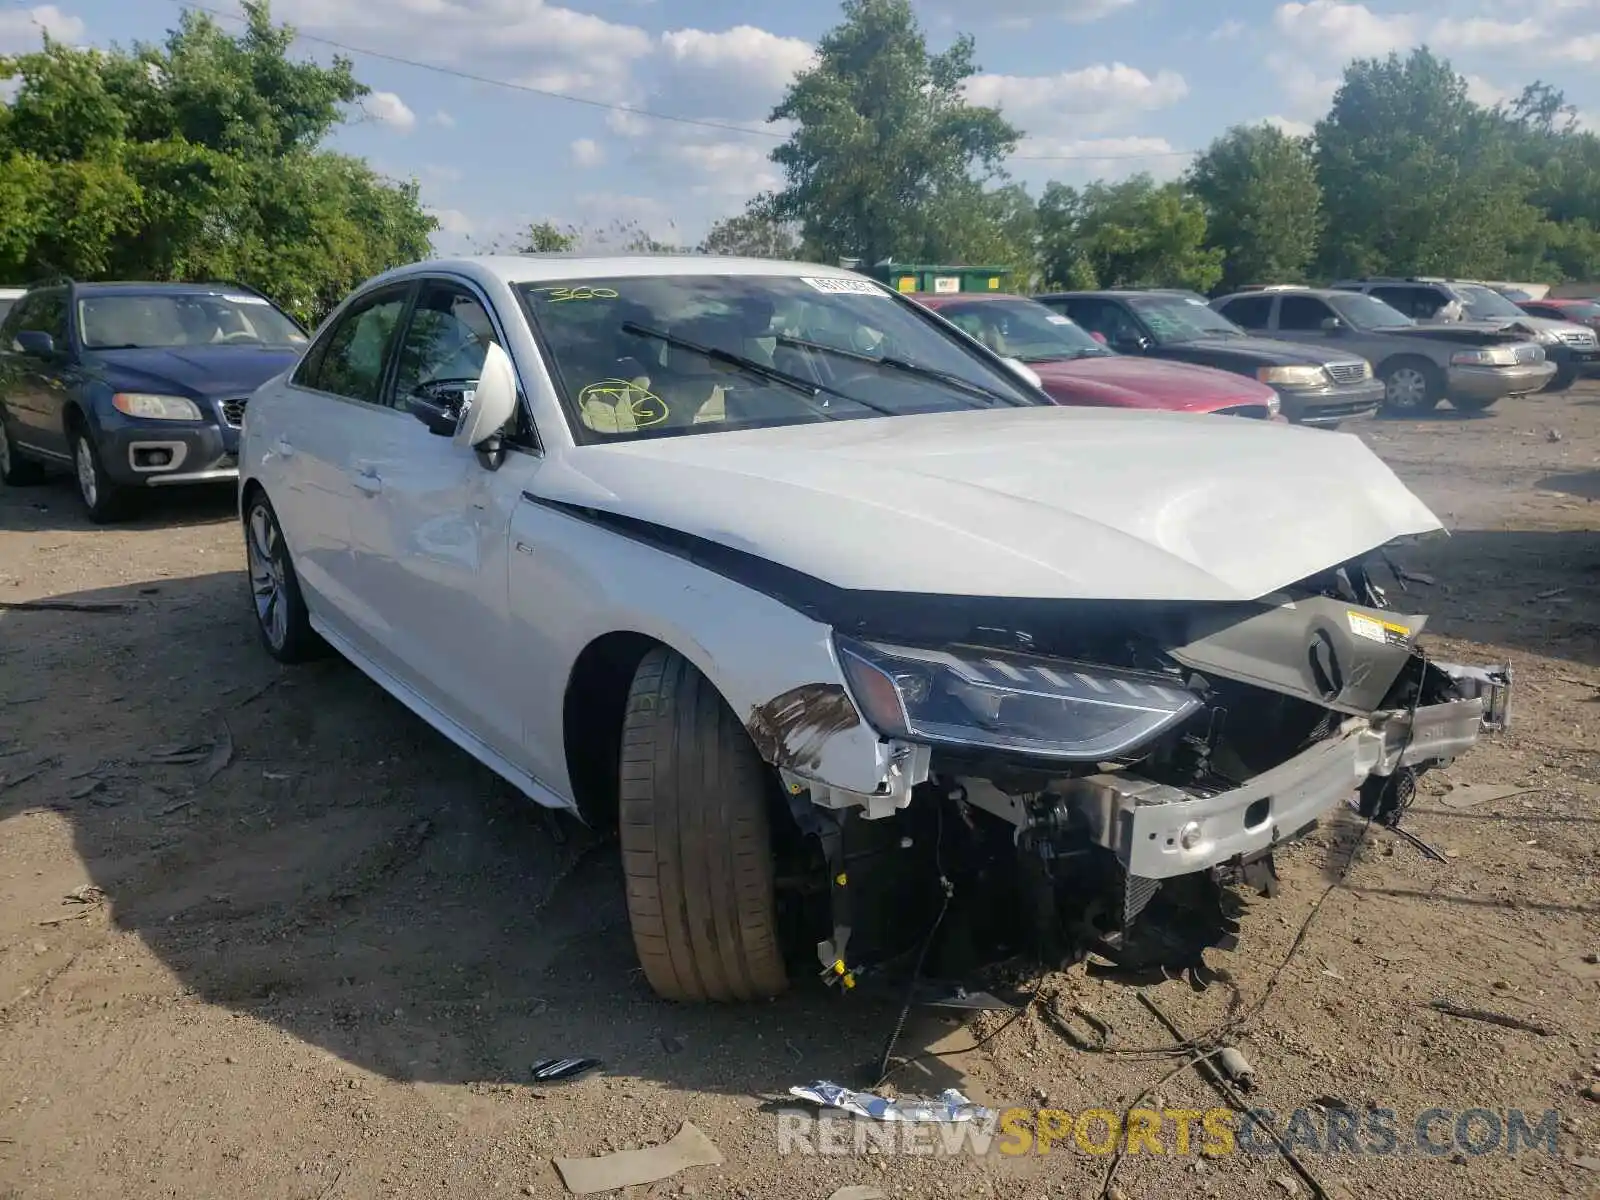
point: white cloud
(586, 152)
(442, 119)
(1090, 99)
(1481, 91)
(1289, 125)
(22, 29)
(453, 221)
(1482, 33)
(1308, 93)
(386, 108)
(1230, 30)
(1022, 13)
(743, 70)
(1110, 158)
(1345, 31)
(1584, 49)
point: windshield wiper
(759, 369)
(900, 364)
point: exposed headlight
(1488, 356)
(1546, 337)
(157, 408)
(1293, 376)
(1043, 707)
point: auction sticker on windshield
(844, 287)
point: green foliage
(888, 160)
(1263, 204)
(1136, 233)
(198, 158)
(754, 233)
(1416, 177)
(546, 237)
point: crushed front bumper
(1158, 831)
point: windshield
(1368, 312)
(1486, 304)
(1586, 311)
(1022, 329)
(669, 355)
(1182, 318)
(168, 320)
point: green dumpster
(942, 279)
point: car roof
(941, 298)
(1108, 293)
(545, 268)
(1558, 301)
(134, 287)
(1287, 289)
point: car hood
(204, 371)
(1250, 351)
(1123, 381)
(1044, 503)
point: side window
(1250, 312)
(350, 362)
(17, 320)
(1539, 310)
(48, 314)
(1096, 316)
(1302, 314)
(441, 356)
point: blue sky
(1102, 88)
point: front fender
(574, 580)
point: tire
(1563, 379)
(1412, 386)
(1474, 404)
(103, 500)
(696, 842)
(282, 620)
(16, 471)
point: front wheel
(1411, 387)
(696, 840)
(281, 616)
(103, 500)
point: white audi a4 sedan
(843, 627)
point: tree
(545, 237)
(754, 233)
(1136, 233)
(1416, 178)
(198, 158)
(887, 158)
(1263, 205)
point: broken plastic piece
(1237, 1067)
(564, 1070)
(949, 1106)
(688, 1148)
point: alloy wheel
(88, 473)
(5, 451)
(264, 549)
(1407, 388)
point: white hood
(1048, 503)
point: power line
(646, 113)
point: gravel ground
(320, 963)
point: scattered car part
(948, 1107)
(564, 1070)
(1451, 1009)
(1236, 1067)
(627, 1168)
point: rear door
(1300, 318)
(311, 432)
(36, 388)
(1249, 312)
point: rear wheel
(1412, 386)
(696, 840)
(16, 471)
(1564, 378)
(281, 616)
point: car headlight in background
(1293, 376)
(1488, 356)
(156, 408)
(1042, 707)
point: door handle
(366, 480)
(283, 448)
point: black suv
(1315, 387)
(134, 385)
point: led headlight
(1293, 376)
(1043, 707)
(159, 408)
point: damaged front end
(1056, 765)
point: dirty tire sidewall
(102, 499)
(300, 642)
(696, 840)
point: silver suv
(1420, 364)
(1573, 348)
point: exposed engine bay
(1197, 739)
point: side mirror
(1332, 324)
(1023, 371)
(1130, 343)
(37, 343)
(493, 404)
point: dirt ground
(318, 961)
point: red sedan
(1581, 312)
(1078, 370)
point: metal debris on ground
(73, 606)
(627, 1168)
(1236, 1067)
(1471, 795)
(564, 1070)
(177, 754)
(221, 755)
(85, 893)
(1451, 1009)
(949, 1106)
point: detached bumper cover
(1158, 831)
